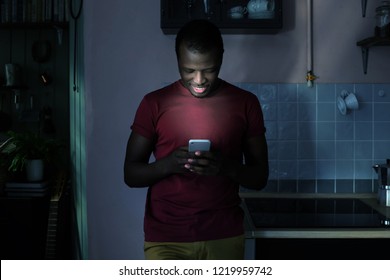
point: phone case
(199, 145)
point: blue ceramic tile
(287, 131)
(344, 186)
(326, 112)
(344, 169)
(349, 117)
(382, 131)
(326, 169)
(267, 93)
(307, 111)
(364, 92)
(313, 147)
(364, 113)
(382, 112)
(271, 130)
(287, 169)
(306, 94)
(381, 92)
(326, 150)
(272, 150)
(326, 93)
(363, 150)
(325, 186)
(307, 131)
(325, 131)
(307, 169)
(288, 186)
(287, 112)
(363, 186)
(269, 111)
(287, 92)
(381, 150)
(344, 131)
(306, 150)
(363, 169)
(287, 150)
(363, 130)
(273, 170)
(342, 87)
(306, 186)
(344, 150)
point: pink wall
(127, 55)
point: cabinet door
(260, 19)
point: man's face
(199, 71)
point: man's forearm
(139, 175)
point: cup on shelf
(347, 100)
(256, 6)
(237, 12)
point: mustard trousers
(220, 249)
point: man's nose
(199, 77)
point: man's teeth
(199, 89)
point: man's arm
(138, 172)
(254, 173)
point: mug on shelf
(237, 12)
(257, 6)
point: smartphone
(199, 145)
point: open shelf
(368, 43)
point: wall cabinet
(259, 20)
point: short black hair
(201, 36)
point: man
(192, 208)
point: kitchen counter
(316, 231)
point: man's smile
(199, 89)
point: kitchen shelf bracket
(366, 44)
(365, 58)
(364, 7)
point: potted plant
(30, 152)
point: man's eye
(212, 70)
(188, 70)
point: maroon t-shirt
(190, 207)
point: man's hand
(203, 163)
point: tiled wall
(313, 147)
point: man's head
(199, 50)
